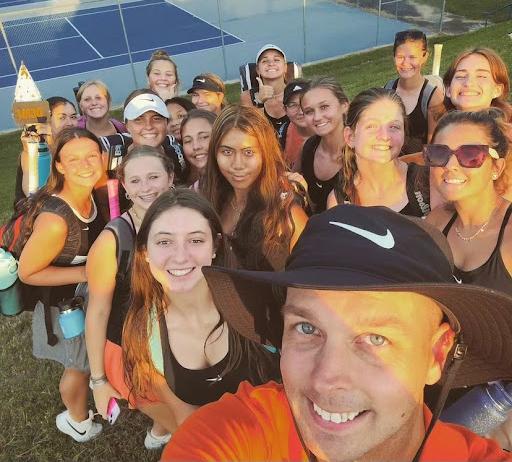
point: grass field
(29, 388)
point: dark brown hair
(144, 151)
(265, 223)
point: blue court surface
(91, 39)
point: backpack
(10, 240)
(124, 235)
(433, 82)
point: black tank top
(417, 124)
(493, 274)
(201, 386)
(417, 186)
(318, 190)
(276, 122)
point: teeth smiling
(454, 180)
(335, 417)
(180, 272)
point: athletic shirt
(417, 125)
(493, 273)
(90, 230)
(318, 190)
(276, 122)
(417, 186)
(291, 142)
(201, 386)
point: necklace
(479, 230)
(238, 210)
(136, 215)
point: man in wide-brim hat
(365, 314)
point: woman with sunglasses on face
(410, 54)
(245, 181)
(372, 173)
(325, 106)
(145, 173)
(177, 348)
(61, 223)
(467, 162)
(196, 131)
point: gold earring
(214, 256)
(494, 176)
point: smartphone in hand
(113, 411)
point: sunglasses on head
(468, 155)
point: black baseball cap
(353, 248)
(204, 82)
(294, 87)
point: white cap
(144, 103)
(269, 46)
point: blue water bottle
(10, 298)
(44, 160)
(482, 409)
(72, 317)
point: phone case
(113, 411)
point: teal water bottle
(10, 299)
(44, 160)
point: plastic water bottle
(10, 300)
(44, 160)
(482, 409)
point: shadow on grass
(30, 400)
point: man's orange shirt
(256, 424)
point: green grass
(29, 388)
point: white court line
(201, 19)
(41, 42)
(121, 54)
(86, 41)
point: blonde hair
(162, 55)
(102, 86)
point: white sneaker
(79, 431)
(156, 442)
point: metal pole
(304, 28)
(8, 47)
(127, 45)
(219, 13)
(377, 32)
(396, 8)
(441, 19)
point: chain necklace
(479, 231)
(136, 215)
(238, 210)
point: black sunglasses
(468, 155)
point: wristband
(97, 381)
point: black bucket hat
(352, 248)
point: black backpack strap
(428, 92)
(418, 187)
(51, 338)
(391, 84)
(125, 240)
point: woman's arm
(245, 98)
(101, 272)
(299, 220)
(43, 246)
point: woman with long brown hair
(177, 349)
(246, 183)
(145, 173)
(372, 173)
(61, 222)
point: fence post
(222, 40)
(441, 18)
(377, 32)
(127, 45)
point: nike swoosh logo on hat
(201, 80)
(80, 433)
(296, 87)
(458, 281)
(147, 99)
(386, 241)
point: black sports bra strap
(504, 225)
(448, 226)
